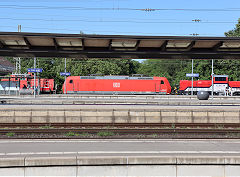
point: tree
(235, 32)
(231, 66)
(163, 68)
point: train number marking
(116, 84)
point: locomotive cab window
(71, 81)
(162, 82)
(220, 79)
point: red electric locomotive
(116, 85)
(221, 85)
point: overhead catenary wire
(56, 20)
(122, 8)
(110, 21)
(89, 31)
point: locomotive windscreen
(220, 78)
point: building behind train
(24, 83)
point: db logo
(116, 84)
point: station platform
(173, 158)
(180, 100)
(119, 114)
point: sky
(121, 17)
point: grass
(71, 134)
(105, 133)
(10, 134)
(154, 135)
(77, 134)
(85, 134)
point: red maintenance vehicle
(221, 86)
(26, 82)
(116, 85)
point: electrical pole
(34, 78)
(65, 76)
(212, 80)
(192, 77)
(18, 59)
(19, 28)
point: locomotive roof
(116, 77)
(118, 46)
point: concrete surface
(123, 147)
(123, 166)
(111, 99)
(172, 158)
(118, 160)
(99, 96)
(127, 170)
(118, 114)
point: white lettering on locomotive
(116, 84)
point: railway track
(120, 131)
(121, 125)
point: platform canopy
(117, 46)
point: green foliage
(154, 136)
(46, 127)
(70, 134)
(85, 135)
(105, 133)
(161, 68)
(10, 134)
(77, 134)
(175, 70)
(235, 32)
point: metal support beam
(1, 45)
(137, 45)
(83, 44)
(190, 46)
(164, 46)
(104, 52)
(152, 47)
(217, 46)
(110, 45)
(27, 42)
(55, 43)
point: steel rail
(120, 125)
(121, 131)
